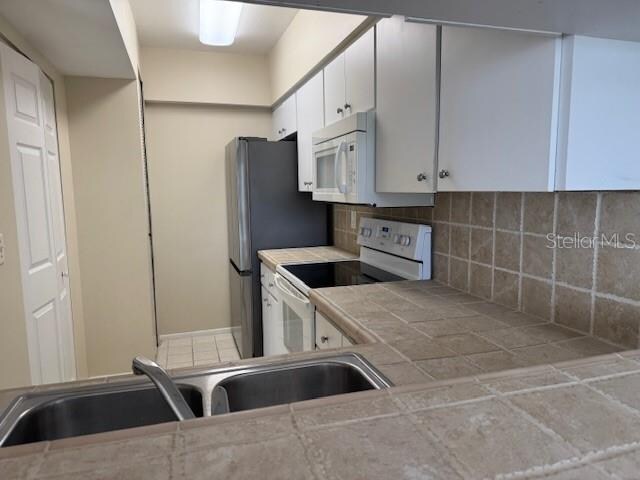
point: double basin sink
(56, 414)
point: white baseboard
(173, 336)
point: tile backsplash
(573, 258)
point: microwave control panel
(407, 240)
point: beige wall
(14, 367)
(185, 148)
(309, 39)
(112, 221)
(205, 77)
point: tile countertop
(273, 258)
(576, 419)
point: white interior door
(38, 202)
(65, 326)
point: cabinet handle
(340, 111)
(443, 173)
(422, 177)
(284, 130)
(347, 106)
(324, 339)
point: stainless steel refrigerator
(264, 211)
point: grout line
(521, 233)
(594, 267)
(554, 258)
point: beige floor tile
(180, 358)
(228, 355)
(180, 350)
(209, 355)
(180, 342)
(204, 339)
(204, 347)
(171, 365)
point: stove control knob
(405, 240)
(365, 232)
(397, 238)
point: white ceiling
(598, 18)
(175, 24)
(70, 32)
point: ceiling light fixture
(219, 22)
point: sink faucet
(168, 389)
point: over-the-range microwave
(344, 163)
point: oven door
(297, 317)
(334, 170)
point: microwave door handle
(342, 186)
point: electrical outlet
(354, 220)
(1, 249)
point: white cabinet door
(334, 90)
(284, 120)
(599, 130)
(359, 60)
(327, 335)
(310, 106)
(498, 110)
(406, 106)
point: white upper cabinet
(359, 66)
(498, 110)
(350, 80)
(599, 131)
(334, 90)
(284, 120)
(310, 106)
(406, 106)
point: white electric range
(389, 251)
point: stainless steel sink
(293, 383)
(63, 414)
(56, 414)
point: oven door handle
(284, 287)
